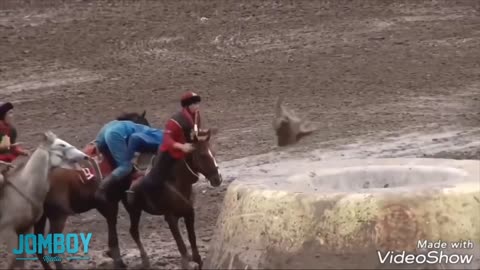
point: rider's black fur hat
(4, 108)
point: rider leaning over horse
(9, 149)
(121, 139)
(177, 138)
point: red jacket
(177, 130)
(15, 151)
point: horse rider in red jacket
(178, 130)
(9, 149)
(177, 139)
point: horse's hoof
(145, 263)
(193, 266)
(119, 265)
(185, 262)
(107, 253)
(198, 259)
(61, 266)
(190, 265)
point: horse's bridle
(63, 151)
(196, 135)
(190, 169)
(196, 174)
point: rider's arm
(16, 149)
(173, 136)
(4, 142)
(144, 142)
(135, 143)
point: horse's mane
(127, 116)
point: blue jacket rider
(122, 139)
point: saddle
(101, 164)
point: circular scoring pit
(340, 213)
(380, 177)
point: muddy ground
(379, 78)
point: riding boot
(104, 188)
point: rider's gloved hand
(185, 147)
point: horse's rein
(8, 182)
(190, 169)
(169, 186)
(172, 188)
(197, 175)
(34, 205)
(19, 191)
(21, 194)
(195, 132)
(179, 194)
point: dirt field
(379, 79)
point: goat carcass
(288, 127)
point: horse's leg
(173, 225)
(57, 224)
(39, 228)
(21, 263)
(134, 221)
(12, 243)
(190, 224)
(110, 212)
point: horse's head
(135, 117)
(203, 158)
(61, 152)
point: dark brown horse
(173, 198)
(72, 192)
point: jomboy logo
(52, 245)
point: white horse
(24, 189)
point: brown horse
(173, 198)
(72, 192)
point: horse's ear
(144, 113)
(49, 137)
